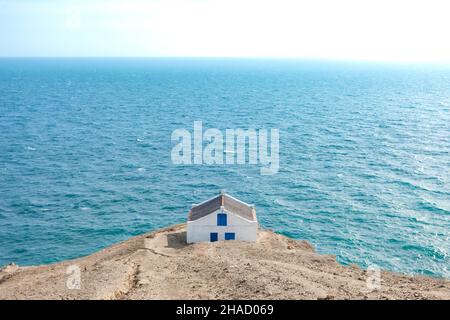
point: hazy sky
(404, 30)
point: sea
(364, 154)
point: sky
(381, 30)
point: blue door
(213, 236)
(230, 236)
(222, 219)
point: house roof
(226, 201)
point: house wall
(199, 230)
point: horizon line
(350, 60)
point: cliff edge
(160, 265)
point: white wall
(199, 230)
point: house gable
(222, 218)
(211, 218)
(224, 202)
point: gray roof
(229, 203)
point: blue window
(213, 236)
(221, 219)
(230, 236)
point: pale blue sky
(400, 30)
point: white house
(222, 218)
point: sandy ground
(160, 265)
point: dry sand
(160, 265)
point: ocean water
(364, 154)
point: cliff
(160, 265)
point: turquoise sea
(364, 154)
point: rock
(10, 268)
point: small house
(222, 218)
